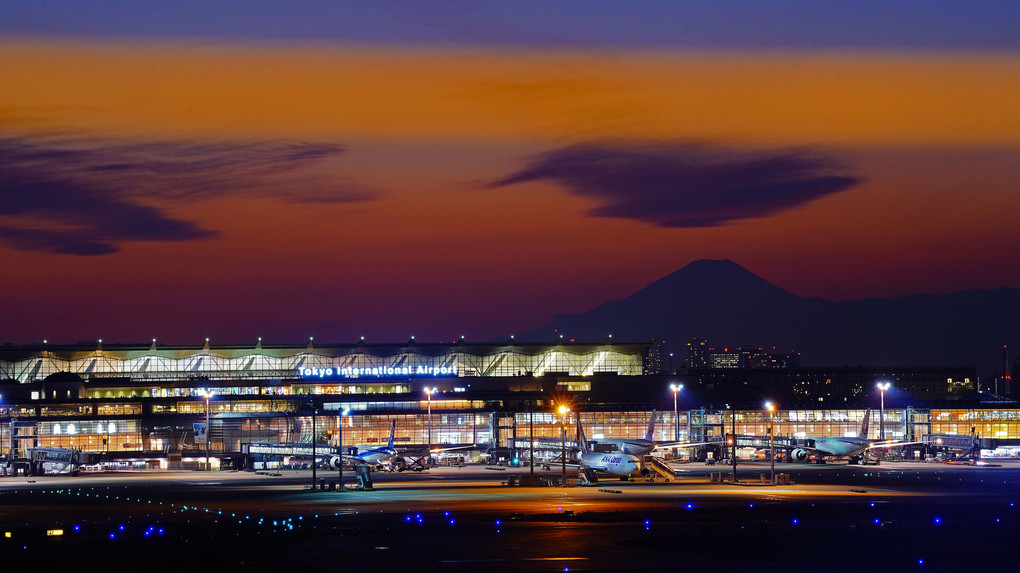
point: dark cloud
(85, 197)
(688, 185)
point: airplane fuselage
(376, 456)
(841, 446)
(612, 464)
(837, 447)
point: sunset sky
(182, 170)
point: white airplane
(373, 456)
(852, 447)
(615, 464)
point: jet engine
(799, 455)
(334, 463)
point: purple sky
(933, 24)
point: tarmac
(892, 517)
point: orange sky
(935, 138)
(357, 93)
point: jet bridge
(69, 460)
(957, 445)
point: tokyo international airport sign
(378, 372)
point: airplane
(622, 465)
(851, 447)
(372, 456)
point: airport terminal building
(148, 405)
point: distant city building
(701, 355)
(655, 359)
(697, 353)
(791, 360)
(1005, 386)
(1016, 366)
(833, 385)
(725, 358)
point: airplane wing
(438, 450)
(663, 445)
(890, 444)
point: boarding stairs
(587, 476)
(660, 468)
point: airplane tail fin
(864, 425)
(393, 434)
(650, 431)
(580, 437)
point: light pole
(563, 411)
(882, 387)
(428, 392)
(340, 443)
(676, 388)
(314, 465)
(208, 434)
(733, 454)
(771, 408)
(531, 440)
